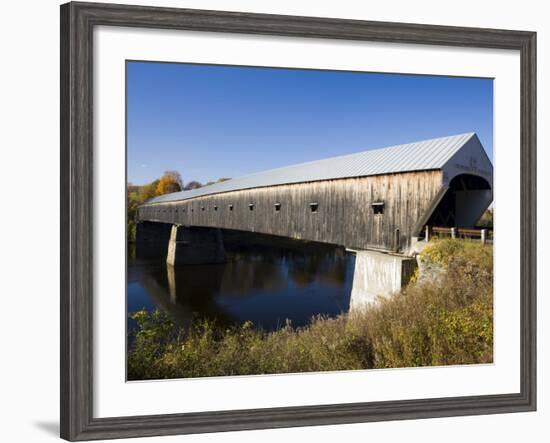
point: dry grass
(443, 321)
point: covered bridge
(373, 200)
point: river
(265, 280)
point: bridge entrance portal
(467, 197)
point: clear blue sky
(209, 122)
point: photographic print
(298, 220)
(290, 221)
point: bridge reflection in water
(264, 280)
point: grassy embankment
(440, 320)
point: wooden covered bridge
(379, 199)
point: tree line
(169, 182)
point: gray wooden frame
(77, 24)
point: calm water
(264, 280)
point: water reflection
(265, 280)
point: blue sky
(209, 122)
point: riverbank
(444, 317)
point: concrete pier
(378, 274)
(195, 246)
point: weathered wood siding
(344, 214)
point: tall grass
(434, 321)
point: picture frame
(77, 219)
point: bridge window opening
(230, 207)
(378, 208)
(192, 210)
(251, 206)
(202, 208)
(183, 210)
(215, 207)
(277, 207)
(314, 207)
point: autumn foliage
(169, 182)
(137, 195)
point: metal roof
(418, 156)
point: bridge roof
(417, 156)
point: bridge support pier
(195, 246)
(378, 274)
